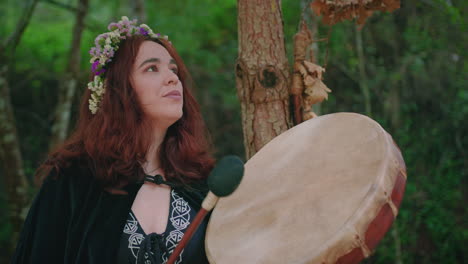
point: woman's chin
(167, 119)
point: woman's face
(155, 80)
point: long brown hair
(113, 142)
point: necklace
(158, 179)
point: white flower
(97, 90)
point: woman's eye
(152, 69)
(175, 70)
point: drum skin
(325, 191)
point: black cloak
(74, 220)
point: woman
(125, 186)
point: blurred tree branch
(138, 10)
(93, 25)
(10, 156)
(68, 85)
(62, 5)
(363, 79)
(13, 40)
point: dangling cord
(151, 249)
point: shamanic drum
(325, 191)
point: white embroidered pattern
(180, 220)
(135, 238)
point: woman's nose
(172, 78)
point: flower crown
(106, 46)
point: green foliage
(416, 53)
(415, 61)
(6, 229)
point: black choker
(158, 179)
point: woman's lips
(173, 94)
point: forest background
(415, 67)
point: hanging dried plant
(315, 90)
(339, 10)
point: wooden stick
(207, 205)
(188, 235)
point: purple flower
(143, 32)
(99, 38)
(97, 51)
(95, 66)
(112, 26)
(100, 71)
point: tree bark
(67, 88)
(10, 154)
(262, 73)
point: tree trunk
(262, 73)
(396, 239)
(363, 83)
(393, 103)
(68, 86)
(10, 153)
